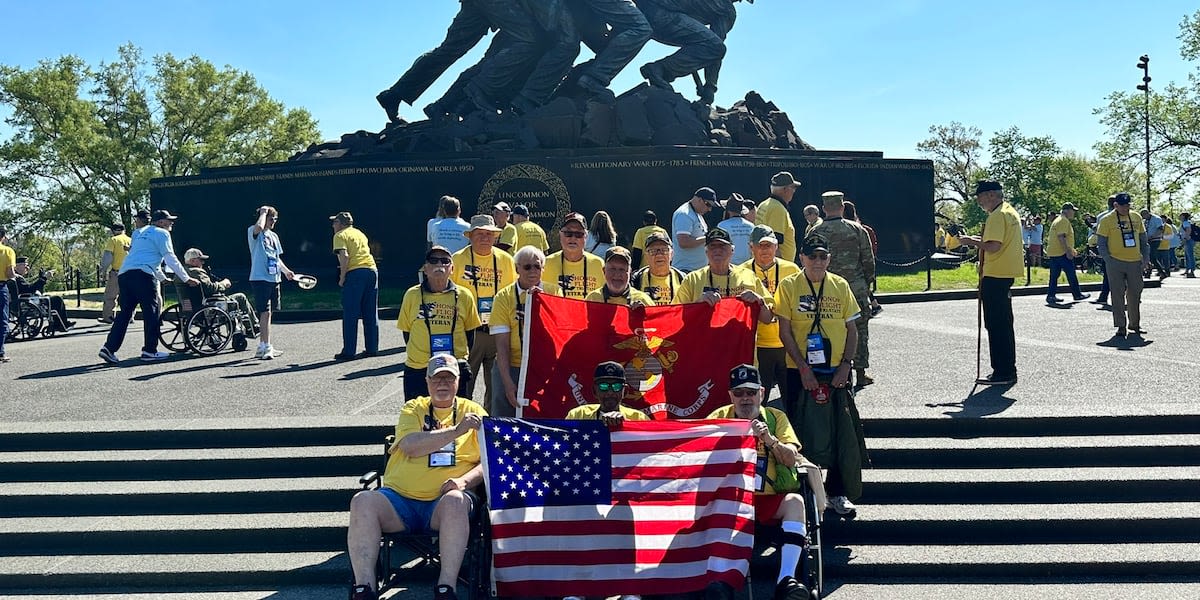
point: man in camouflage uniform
(853, 260)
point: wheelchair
(811, 570)
(398, 550)
(202, 325)
(30, 316)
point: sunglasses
(819, 256)
(574, 234)
(743, 392)
(437, 260)
(606, 386)
(531, 267)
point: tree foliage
(87, 140)
(1174, 117)
(955, 150)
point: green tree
(87, 140)
(955, 150)
(1174, 111)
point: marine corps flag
(677, 357)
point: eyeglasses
(437, 260)
(821, 256)
(531, 267)
(573, 234)
(443, 378)
(658, 251)
(613, 386)
(743, 392)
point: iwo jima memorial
(527, 125)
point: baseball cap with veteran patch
(716, 235)
(609, 370)
(744, 376)
(442, 363)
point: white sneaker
(572, 597)
(631, 597)
(269, 352)
(154, 356)
(842, 505)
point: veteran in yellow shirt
(720, 279)
(485, 270)
(609, 388)
(508, 327)
(437, 317)
(767, 267)
(360, 287)
(1121, 237)
(773, 212)
(115, 250)
(577, 273)
(616, 289)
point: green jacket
(831, 434)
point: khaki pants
(1125, 281)
(483, 352)
(111, 291)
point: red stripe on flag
(653, 446)
(621, 556)
(674, 473)
(620, 527)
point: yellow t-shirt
(952, 243)
(412, 476)
(118, 245)
(1168, 233)
(427, 317)
(354, 242)
(509, 236)
(1004, 225)
(508, 316)
(588, 411)
(634, 295)
(530, 234)
(8, 259)
(575, 279)
(1113, 225)
(795, 300)
(662, 290)
(1054, 246)
(768, 333)
(639, 236)
(485, 276)
(774, 213)
(783, 432)
(729, 286)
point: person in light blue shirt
(266, 267)
(138, 282)
(688, 228)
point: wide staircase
(970, 501)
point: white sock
(789, 554)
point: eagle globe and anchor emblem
(644, 372)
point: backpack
(787, 479)
(1195, 229)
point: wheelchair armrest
(370, 480)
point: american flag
(660, 507)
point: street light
(1144, 65)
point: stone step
(1031, 486)
(1057, 451)
(98, 498)
(1035, 426)
(199, 434)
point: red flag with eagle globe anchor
(677, 357)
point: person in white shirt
(688, 229)
(737, 226)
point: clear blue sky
(852, 75)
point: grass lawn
(962, 278)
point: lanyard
(520, 308)
(628, 292)
(431, 422)
(453, 319)
(728, 282)
(816, 326)
(1121, 225)
(495, 276)
(562, 270)
(766, 281)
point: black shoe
(444, 592)
(344, 356)
(653, 72)
(1052, 300)
(1101, 300)
(1082, 297)
(994, 379)
(790, 589)
(718, 590)
(390, 103)
(365, 354)
(363, 592)
(1121, 332)
(1138, 330)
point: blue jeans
(360, 300)
(1063, 264)
(3, 314)
(137, 288)
(1189, 253)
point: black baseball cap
(744, 376)
(143, 214)
(716, 234)
(987, 185)
(161, 214)
(708, 195)
(814, 244)
(609, 370)
(521, 209)
(1123, 199)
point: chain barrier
(900, 265)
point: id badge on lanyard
(815, 345)
(485, 309)
(1128, 239)
(441, 342)
(444, 456)
(272, 266)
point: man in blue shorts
(432, 465)
(266, 266)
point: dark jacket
(207, 285)
(832, 433)
(25, 287)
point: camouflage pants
(862, 293)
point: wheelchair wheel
(28, 322)
(239, 341)
(171, 330)
(209, 331)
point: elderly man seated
(36, 288)
(434, 463)
(194, 259)
(778, 448)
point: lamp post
(1144, 65)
